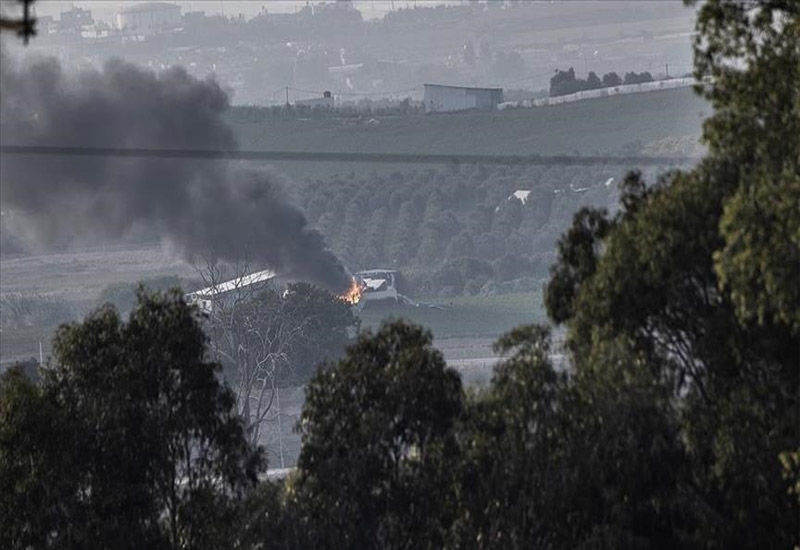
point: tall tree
(266, 339)
(558, 460)
(696, 278)
(751, 51)
(134, 430)
(378, 440)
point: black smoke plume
(199, 207)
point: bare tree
(253, 332)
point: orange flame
(353, 294)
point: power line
(324, 156)
(388, 92)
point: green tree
(123, 296)
(135, 440)
(755, 131)
(578, 250)
(38, 497)
(378, 445)
(695, 279)
(593, 81)
(611, 80)
(329, 325)
(564, 82)
(267, 340)
(637, 78)
(404, 242)
(565, 461)
(511, 436)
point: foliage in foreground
(130, 440)
(676, 427)
(377, 432)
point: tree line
(565, 82)
(458, 230)
(675, 424)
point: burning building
(378, 284)
(203, 210)
(205, 298)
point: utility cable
(326, 156)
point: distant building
(442, 99)
(74, 20)
(46, 24)
(378, 284)
(149, 18)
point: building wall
(150, 20)
(451, 98)
(617, 90)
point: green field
(462, 316)
(663, 122)
(21, 343)
(600, 126)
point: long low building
(206, 297)
(443, 99)
(149, 17)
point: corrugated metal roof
(233, 284)
(463, 87)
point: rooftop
(233, 284)
(462, 87)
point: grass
(21, 343)
(463, 316)
(606, 126)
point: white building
(378, 284)
(149, 18)
(442, 99)
(206, 297)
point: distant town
(329, 53)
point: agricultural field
(39, 291)
(461, 316)
(466, 305)
(464, 328)
(663, 123)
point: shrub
(32, 309)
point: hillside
(452, 231)
(459, 230)
(661, 123)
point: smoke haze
(199, 207)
